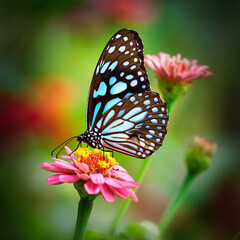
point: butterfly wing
(120, 71)
(136, 125)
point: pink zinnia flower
(176, 69)
(98, 173)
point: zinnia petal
(69, 178)
(132, 194)
(124, 176)
(130, 184)
(114, 182)
(82, 176)
(82, 166)
(54, 179)
(97, 178)
(70, 153)
(65, 165)
(91, 188)
(52, 167)
(107, 193)
(120, 192)
(65, 157)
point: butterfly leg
(104, 150)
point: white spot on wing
(111, 49)
(122, 49)
(134, 83)
(129, 77)
(133, 67)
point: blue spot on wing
(105, 66)
(109, 116)
(97, 107)
(118, 87)
(121, 127)
(113, 65)
(132, 112)
(102, 89)
(139, 117)
(112, 80)
(121, 113)
(111, 103)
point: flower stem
(125, 204)
(170, 105)
(84, 209)
(174, 206)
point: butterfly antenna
(65, 142)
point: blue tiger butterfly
(123, 114)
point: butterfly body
(92, 137)
(123, 114)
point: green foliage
(92, 235)
(143, 231)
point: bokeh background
(48, 52)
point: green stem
(84, 209)
(170, 105)
(125, 204)
(174, 206)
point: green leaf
(143, 231)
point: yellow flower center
(95, 160)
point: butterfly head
(80, 139)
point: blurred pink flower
(128, 11)
(98, 173)
(176, 69)
(96, 13)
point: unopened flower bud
(199, 155)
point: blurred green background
(48, 52)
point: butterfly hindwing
(136, 125)
(120, 71)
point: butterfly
(123, 114)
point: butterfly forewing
(136, 125)
(120, 72)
